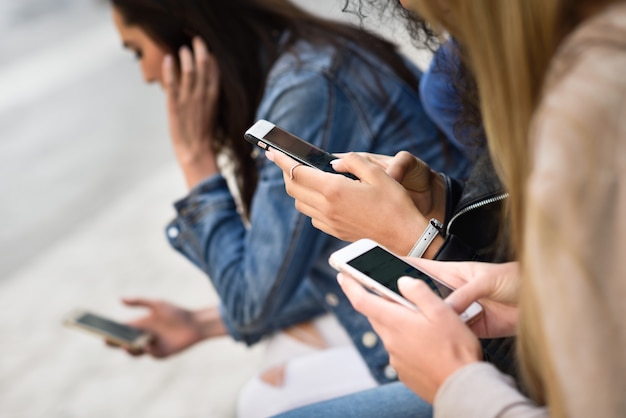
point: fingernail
(167, 60)
(340, 279)
(269, 155)
(333, 162)
(404, 281)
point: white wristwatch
(434, 227)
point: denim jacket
(274, 272)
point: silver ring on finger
(291, 170)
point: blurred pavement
(87, 179)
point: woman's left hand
(192, 100)
(425, 347)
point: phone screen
(295, 146)
(386, 269)
(303, 151)
(124, 332)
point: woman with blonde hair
(551, 89)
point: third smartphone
(118, 333)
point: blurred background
(87, 178)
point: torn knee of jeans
(274, 376)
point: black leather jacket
(474, 230)
(473, 222)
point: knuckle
(331, 190)
(299, 206)
(352, 156)
(404, 154)
(289, 189)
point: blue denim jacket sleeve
(209, 232)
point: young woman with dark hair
(224, 65)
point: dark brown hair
(243, 35)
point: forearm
(480, 390)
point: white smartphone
(118, 333)
(378, 270)
(265, 135)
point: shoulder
(303, 56)
(585, 85)
(581, 119)
(597, 49)
(344, 62)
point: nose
(149, 74)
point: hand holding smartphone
(121, 334)
(265, 135)
(378, 270)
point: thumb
(422, 296)
(356, 164)
(464, 296)
(405, 168)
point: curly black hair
(469, 125)
(421, 34)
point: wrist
(401, 241)
(196, 168)
(208, 323)
(431, 232)
(437, 209)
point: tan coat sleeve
(575, 236)
(479, 390)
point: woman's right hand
(377, 206)
(192, 100)
(173, 328)
(494, 286)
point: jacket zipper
(476, 206)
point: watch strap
(432, 230)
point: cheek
(151, 66)
(155, 63)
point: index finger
(282, 160)
(201, 57)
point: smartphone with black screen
(116, 332)
(378, 270)
(265, 135)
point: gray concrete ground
(86, 180)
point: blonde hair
(508, 45)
